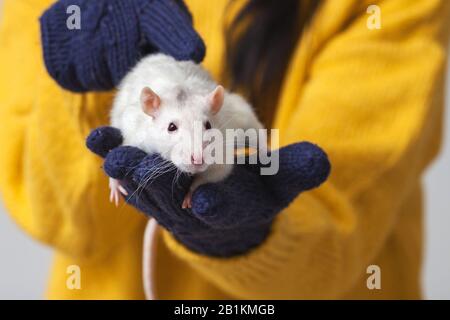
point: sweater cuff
(268, 266)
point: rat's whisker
(175, 179)
(151, 174)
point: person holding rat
(372, 98)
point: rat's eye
(172, 127)
(207, 125)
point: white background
(24, 263)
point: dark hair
(260, 41)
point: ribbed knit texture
(114, 35)
(218, 224)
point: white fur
(168, 78)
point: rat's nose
(197, 159)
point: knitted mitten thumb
(167, 27)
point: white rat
(157, 106)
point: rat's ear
(150, 102)
(215, 99)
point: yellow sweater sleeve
(51, 184)
(373, 100)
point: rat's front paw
(116, 190)
(187, 201)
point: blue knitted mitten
(113, 36)
(227, 218)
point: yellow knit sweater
(371, 98)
